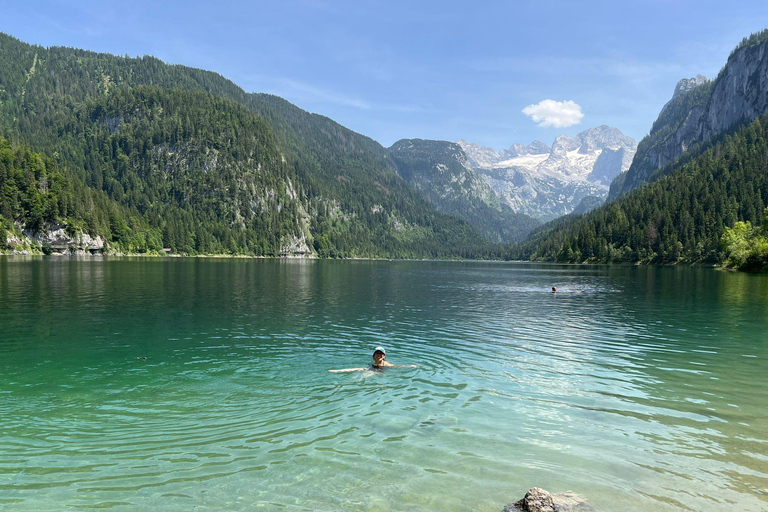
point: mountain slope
(700, 110)
(216, 182)
(35, 194)
(440, 172)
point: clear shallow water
(641, 388)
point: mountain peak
(686, 84)
(544, 181)
(604, 137)
(537, 148)
(534, 148)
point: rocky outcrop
(294, 246)
(59, 241)
(683, 86)
(534, 148)
(700, 110)
(477, 155)
(53, 239)
(539, 500)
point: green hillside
(34, 191)
(214, 169)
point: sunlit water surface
(640, 388)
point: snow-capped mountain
(547, 182)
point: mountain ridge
(545, 182)
(440, 171)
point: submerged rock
(539, 500)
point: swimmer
(379, 363)
(554, 289)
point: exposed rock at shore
(295, 246)
(53, 239)
(539, 500)
(60, 241)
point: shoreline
(101, 255)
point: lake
(641, 388)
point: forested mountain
(143, 156)
(700, 110)
(440, 172)
(701, 171)
(34, 191)
(187, 153)
(679, 217)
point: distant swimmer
(554, 289)
(379, 363)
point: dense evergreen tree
(35, 193)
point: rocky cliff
(700, 110)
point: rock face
(547, 182)
(539, 500)
(700, 110)
(685, 85)
(294, 246)
(56, 240)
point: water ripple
(620, 386)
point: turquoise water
(640, 388)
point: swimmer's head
(379, 354)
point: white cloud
(557, 114)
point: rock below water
(539, 500)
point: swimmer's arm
(405, 365)
(344, 370)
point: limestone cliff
(52, 239)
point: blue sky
(423, 69)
